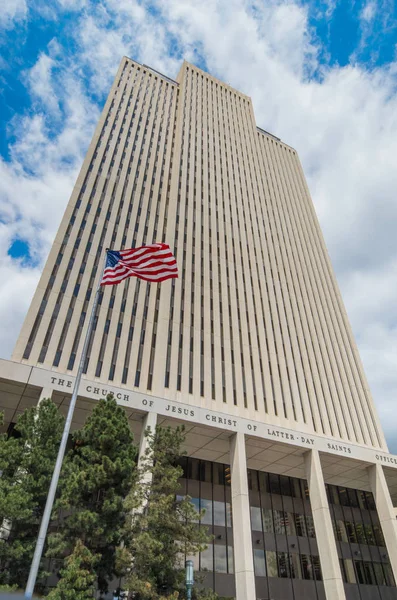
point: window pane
(230, 559)
(307, 566)
(220, 559)
(279, 521)
(274, 483)
(228, 514)
(317, 568)
(349, 570)
(296, 570)
(360, 571)
(369, 533)
(196, 504)
(290, 523)
(300, 525)
(285, 488)
(207, 506)
(379, 574)
(369, 573)
(310, 526)
(341, 530)
(388, 574)
(283, 564)
(256, 521)
(271, 564)
(267, 516)
(207, 559)
(295, 487)
(344, 498)
(259, 563)
(360, 532)
(379, 539)
(351, 532)
(219, 513)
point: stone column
(45, 393)
(332, 577)
(243, 557)
(149, 422)
(386, 512)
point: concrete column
(149, 422)
(243, 557)
(332, 577)
(386, 512)
(45, 393)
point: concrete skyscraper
(251, 347)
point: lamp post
(189, 579)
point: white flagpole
(34, 568)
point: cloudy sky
(322, 75)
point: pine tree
(97, 476)
(77, 577)
(164, 526)
(26, 465)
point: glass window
(285, 488)
(219, 513)
(296, 569)
(369, 573)
(351, 532)
(362, 499)
(283, 564)
(295, 487)
(300, 525)
(220, 559)
(206, 559)
(290, 523)
(196, 504)
(344, 498)
(193, 469)
(256, 521)
(279, 521)
(228, 514)
(311, 532)
(388, 574)
(271, 563)
(360, 571)
(379, 574)
(352, 497)
(274, 483)
(341, 531)
(218, 473)
(259, 562)
(267, 516)
(205, 471)
(307, 566)
(317, 568)
(207, 506)
(369, 533)
(360, 533)
(253, 480)
(379, 539)
(230, 559)
(348, 570)
(370, 501)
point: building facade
(251, 347)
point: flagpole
(34, 568)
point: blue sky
(322, 76)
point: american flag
(154, 262)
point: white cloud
(12, 11)
(344, 128)
(368, 12)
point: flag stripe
(154, 262)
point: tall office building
(251, 347)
